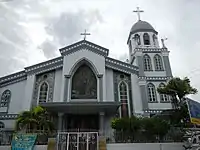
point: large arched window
(151, 92)
(137, 39)
(158, 62)
(5, 98)
(123, 95)
(147, 63)
(163, 97)
(84, 83)
(146, 39)
(43, 94)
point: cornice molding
(47, 65)
(150, 50)
(8, 116)
(12, 77)
(121, 66)
(155, 78)
(84, 45)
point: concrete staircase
(102, 143)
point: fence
(130, 137)
(111, 137)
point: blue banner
(23, 141)
(194, 110)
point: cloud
(66, 28)
(13, 40)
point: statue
(163, 44)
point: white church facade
(85, 88)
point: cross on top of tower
(85, 34)
(138, 11)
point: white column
(60, 121)
(101, 123)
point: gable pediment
(84, 45)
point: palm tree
(35, 119)
(178, 89)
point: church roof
(84, 45)
(142, 26)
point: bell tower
(153, 62)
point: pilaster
(60, 121)
(66, 88)
(101, 123)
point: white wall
(57, 86)
(97, 60)
(145, 146)
(28, 92)
(17, 96)
(109, 85)
(9, 124)
(136, 96)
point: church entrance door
(83, 123)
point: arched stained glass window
(5, 98)
(123, 95)
(84, 83)
(43, 92)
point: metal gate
(77, 141)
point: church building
(85, 88)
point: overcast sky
(32, 31)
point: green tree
(178, 89)
(36, 119)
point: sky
(32, 31)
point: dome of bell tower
(142, 26)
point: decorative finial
(85, 34)
(138, 11)
(163, 42)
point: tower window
(137, 39)
(158, 62)
(151, 92)
(163, 97)
(123, 95)
(43, 92)
(147, 63)
(146, 39)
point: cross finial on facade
(138, 11)
(85, 34)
